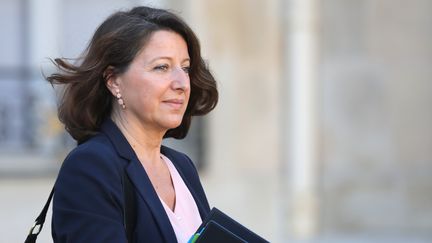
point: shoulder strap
(130, 208)
(129, 211)
(40, 220)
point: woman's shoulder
(96, 146)
(95, 154)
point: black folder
(219, 227)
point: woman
(140, 80)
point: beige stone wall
(377, 132)
(373, 115)
(374, 121)
(241, 40)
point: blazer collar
(145, 190)
(116, 137)
(139, 179)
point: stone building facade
(365, 170)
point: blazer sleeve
(88, 199)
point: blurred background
(323, 132)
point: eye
(186, 69)
(162, 67)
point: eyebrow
(166, 57)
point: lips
(174, 103)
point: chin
(173, 124)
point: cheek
(188, 93)
(146, 98)
(189, 89)
(138, 94)
(151, 95)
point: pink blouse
(185, 219)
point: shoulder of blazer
(92, 161)
(89, 189)
(98, 149)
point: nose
(180, 80)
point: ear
(111, 80)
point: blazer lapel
(139, 179)
(147, 193)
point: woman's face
(156, 86)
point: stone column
(43, 43)
(44, 31)
(300, 112)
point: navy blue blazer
(88, 202)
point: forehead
(165, 43)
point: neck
(146, 142)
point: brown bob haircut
(86, 101)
